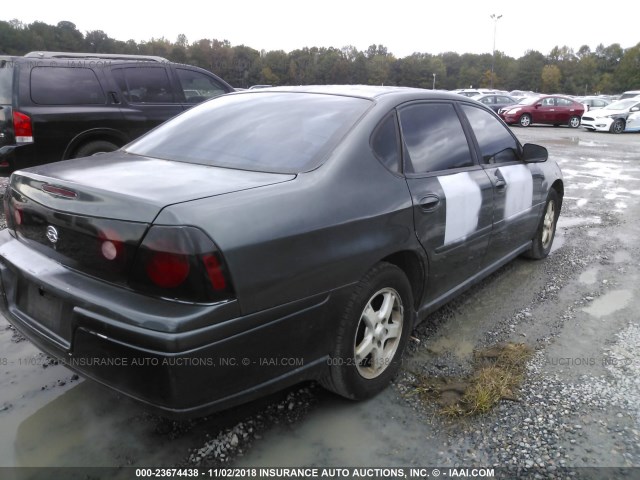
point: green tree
(551, 76)
(97, 41)
(277, 61)
(627, 75)
(68, 37)
(529, 71)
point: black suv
(55, 106)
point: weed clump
(497, 374)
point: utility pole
(434, 82)
(495, 19)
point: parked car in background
(467, 92)
(494, 101)
(621, 116)
(55, 105)
(268, 237)
(593, 103)
(630, 94)
(551, 109)
(523, 93)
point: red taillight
(22, 128)
(214, 270)
(168, 270)
(180, 263)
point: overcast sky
(403, 26)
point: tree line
(606, 70)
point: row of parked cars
(77, 104)
(602, 114)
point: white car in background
(621, 116)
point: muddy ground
(579, 405)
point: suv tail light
(180, 263)
(22, 128)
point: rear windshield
(280, 132)
(6, 76)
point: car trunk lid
(91, 214)
(132, 188)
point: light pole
(434, 82)
(495, 19)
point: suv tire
(94, 148)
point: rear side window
(6, 80)
(434, 138)
(197, 86)
(385, 143)
(65, 86)
(145, 85)
(497, 145)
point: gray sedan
(268, 237)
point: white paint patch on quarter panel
(519, 194)
(464, 200)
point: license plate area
(45, 309)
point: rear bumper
(182, 359)
(15, 157)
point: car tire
(525, 120)
(618, 126)
(546, 231)
(370, 342)
(94, 148)
(574, 122)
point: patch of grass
(498, 373)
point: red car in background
(552, 109)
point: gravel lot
(578, 407)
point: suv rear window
(280, 132)
(6, 75)
(65, 86)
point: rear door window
(145, 85)
(434, 138)
(66, 86)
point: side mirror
(532, 153)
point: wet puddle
(621, 256)
(380, 431)
(572, 222)
(609, 303)
(48, 416)
(558, 241)
(589, 277)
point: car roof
(371, 92)
(93, 56)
